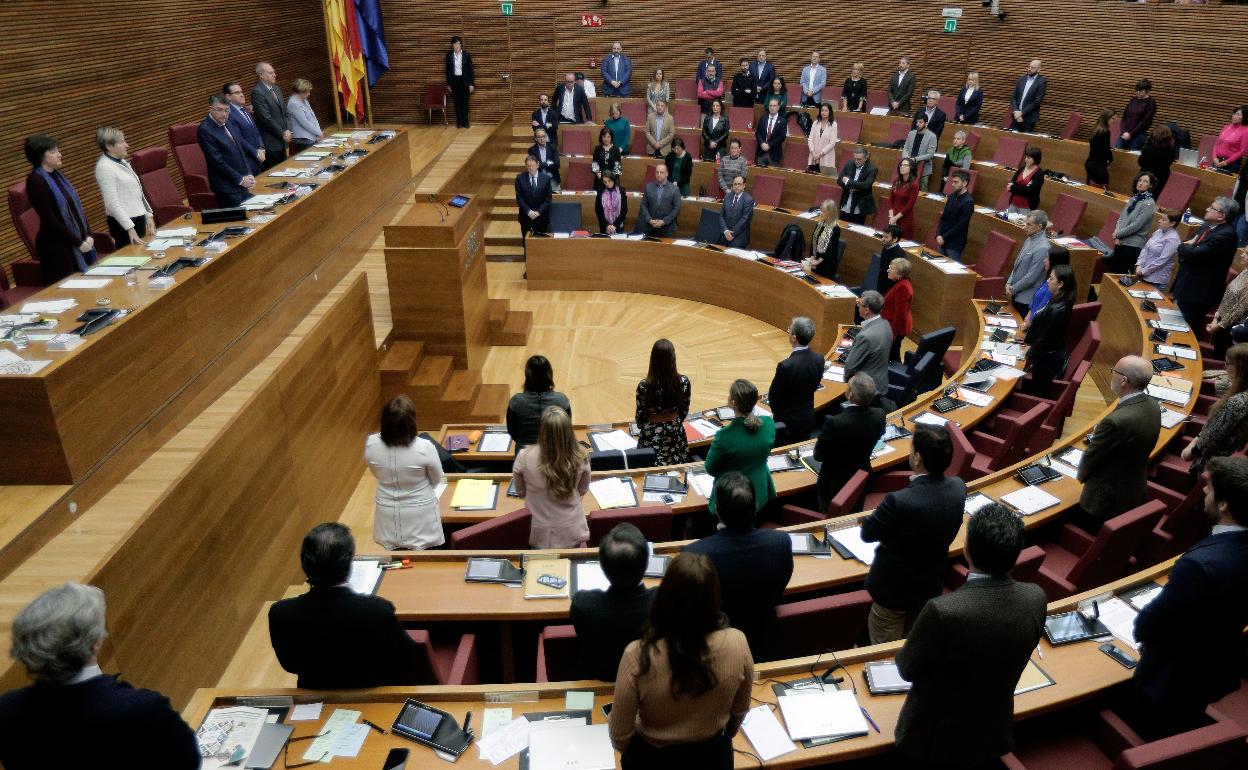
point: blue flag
(372, 39)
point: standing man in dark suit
(460, 79)
(1027, 97)
(770, 133)
(271, 115)
(1204, 261)
(243, 126)
(1192, 633)
(930, 109)
(764, 73)
(546, 118)
(743, 86)
(792, 393)
(571, 103)
(754, 565)
(1114, 468)
(955, 218)
(914, 527)
(617, 73)
(660, 207)
(533, 196)
(869, 353)
(847, 440)
(708, 59)
(735, 218)
(857, 180)
(966, 652)
(333, 638)
(901, 87)
(229, 173)
(547, 155)
(606, 621)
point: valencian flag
(372, 39)
(346, 54)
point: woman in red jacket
(897, 302)
(902, 197)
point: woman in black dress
(662, 404)
(611, 205)
(1046, 337)
(1099, 154)
(824, 244)
(715, 132)
(606, 158)
(854, 92)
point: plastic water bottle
(19, 338)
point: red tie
(1202, 235)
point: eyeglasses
(1123, 375)
(286, 751)
(1213, 208)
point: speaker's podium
(444, 322)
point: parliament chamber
(177, 456)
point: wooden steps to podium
(507, 326)
(440, 392)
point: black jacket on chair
(333, 638)
(844, 447)
(792, 394)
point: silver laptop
(570, 747)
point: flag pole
(329, 51)
(368, 99)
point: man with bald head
(1114, 468)
(1028, 95)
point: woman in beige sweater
(552, 477)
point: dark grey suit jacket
(737, 219)
(271, 116)
(1114, 469)
(665, 206)
(869, 354)
(964, 655)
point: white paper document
(306, 711)
(614, 492)
(974, 397)
(227, 733)
(977, 502)
(503, 743)
(1119, 618)
(927, 418)
(109, 270)
(1144, 294)
(339, 722)
(590, 577)
(495, 441)
(1169, 395)
(364, 575)
(560, 745)
(495, 719)
(702, 483)
(1008, 322)
(834, 373)
(86, 283)
(1029, 500)
(350, 740)
(766, 734)
(851, 538)
(616, 439)
(1170, 350)
(1171, 418)
(824, 713)
(49, 307)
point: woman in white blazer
(129, 213)
(408, 472)
(822, 142)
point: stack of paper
(976, 502)
(1029, 500)
(49, 307)
(974, 397)
(1171, 418)
(851, 539)
(1176, 352)
(500, 743)
(705, 427)
(822, 714)
(1119, 618)
(177, 232)
(228, 735)
(614, 492)
(1005, 321)
(474, 495)
(365, 575)
(86, 283)
(834, 373)
(616, 439)
(765, 733)
(164, 244)
(702, 483)
(119, 260)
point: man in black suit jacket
(792, 393)
(460, 79)
(845, 444)
(1204, 261)
(754, 565)
(545, 117)
(333, 638)
(955, 218)
(857, 180)
(571, 103)
(764, 73)
(935, 115)
(229, 174)
(533, 196)
(966, 652)
(1192, 633)
(901, 87)
(57, 638)
(736, 215)
(547, 155)
(914, 527)
(244, 126)
(770, 133)
(1027, 97)
(271, 115)
(606, 621)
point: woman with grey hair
(57, 638)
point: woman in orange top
(897, 303)
(902, 197)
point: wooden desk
(62, 420)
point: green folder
(123, 261)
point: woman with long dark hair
(552, 477)
(743, 444)
(1099, 155)
(1046, 337)
(662, 404)
(902, 196)
(684, 687)
(524, 411)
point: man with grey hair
(1204, 261)
(1028, 273)
(1114, 468)
(57, 638)
(869, 353)
(931, 110)
(792, 392)
(271, 115)
(848, 438)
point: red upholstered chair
(948, 105)
(1106, 236)
(825, 191)
(960, 465)
(650, 176)
(1051, 429)
(1184, 524)
(1205, 148)
(741, 118)
(655, 522)
(579, 177)
(749, 147)
(574, 141)
(26, 272)
(970, 186)
(184, 141)
(685, 88)
(1003, 200)
(881, 212)
(1007, 119)
(1009, 151)
(876, 98)
(151, 165)
(1178, 192)
(1115, 129)
(795, 129)
(509, 531)
(1025, 568)
(693, 143)
(687, 115)
(10, 295)
(794, 92)
(795, 156)
(1081, 316)
(848, 128)
(972, 141)
(556, 654)
(1078, 561)
(1084, 349)
(1072, 125)
(768, 189)
(635, 112)
(832, 94)
(991, 265)
(1066, 213)
(897, 131)
(435, 101)
(1006, 446)
(845, 502)
(446, 663)
(812, 626)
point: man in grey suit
(660, 206)
(1114, 467)
(920, 146)
(1028, 273)
(966, 652)
(734, 219)
(869, 353)
(901, 87)
(271, 115)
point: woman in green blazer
(744, 444)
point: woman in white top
(129, 213)
(822, 142)
(305, 130)
(408, 470)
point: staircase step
(490, 405)
(514, 329)
(497, 311)
(401, 360)
(462, 387)
(431, 378)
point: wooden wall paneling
(531, 73)
(75, 65)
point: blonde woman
(854, 91)
(552, 477)
(970, 99)
(658, 90)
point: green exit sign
(507, 9)
(951, 25)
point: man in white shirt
(586, 85)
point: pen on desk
(375, 727)
(870, 721)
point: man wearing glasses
(243, 126)
(1204, 261)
